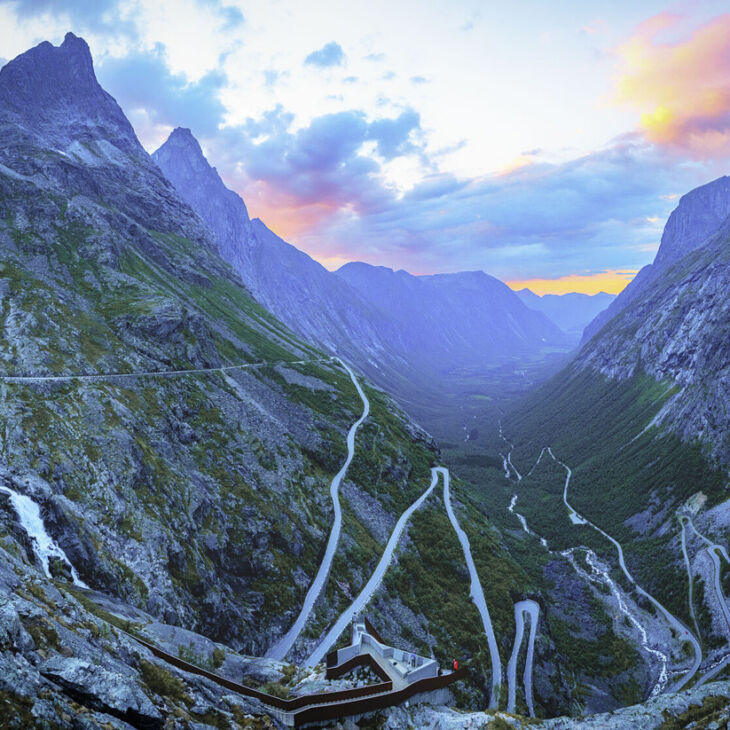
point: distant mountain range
(406, 332)
(571, 312)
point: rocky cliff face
(224, 212)
(699, 215)
(678, 330)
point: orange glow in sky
(679, 87)
(611, 282)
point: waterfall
(44, 546)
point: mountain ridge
(698, 215)
(572, 312)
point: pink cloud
(680, 86)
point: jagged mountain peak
(183, 140)
(699, 214)
(183, 163)
(181, 155)
(52, 93)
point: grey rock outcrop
(103, 690)
(698, 216)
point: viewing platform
(403, 676)
(402, 668)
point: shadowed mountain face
(571, 312)
(454, 320)
(405, 332)
(699, 215)
(283, 279)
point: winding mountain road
(477, 594)
(715, 551)
(366, 594)
(682, 630)
(690, 582)
(363, 598)
(507, 460)
(284, 645)
(522, 608)
(150, 373)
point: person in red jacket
(456, 664)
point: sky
(544, 143)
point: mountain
(164, 434)
(171, 452)
(286, 281)
(454, 320)
(571, 312)
(674, 323)
(640, 424)
(697, 217)
(678, 331)
(407, 337)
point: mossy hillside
(222, 478)
(431, 579)
(394, 469)
(392, 461)
(129, 284)
(155, 479)
(551, 581)
(619, 470)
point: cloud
(91, 10)
(96, 16)
(678, 79)
(393, 135)
(376, 57)
(153, 97)
(321, 187)
(419, 80)
(232, 16)
(272, 77)
(331, 54)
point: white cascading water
(44, 546)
